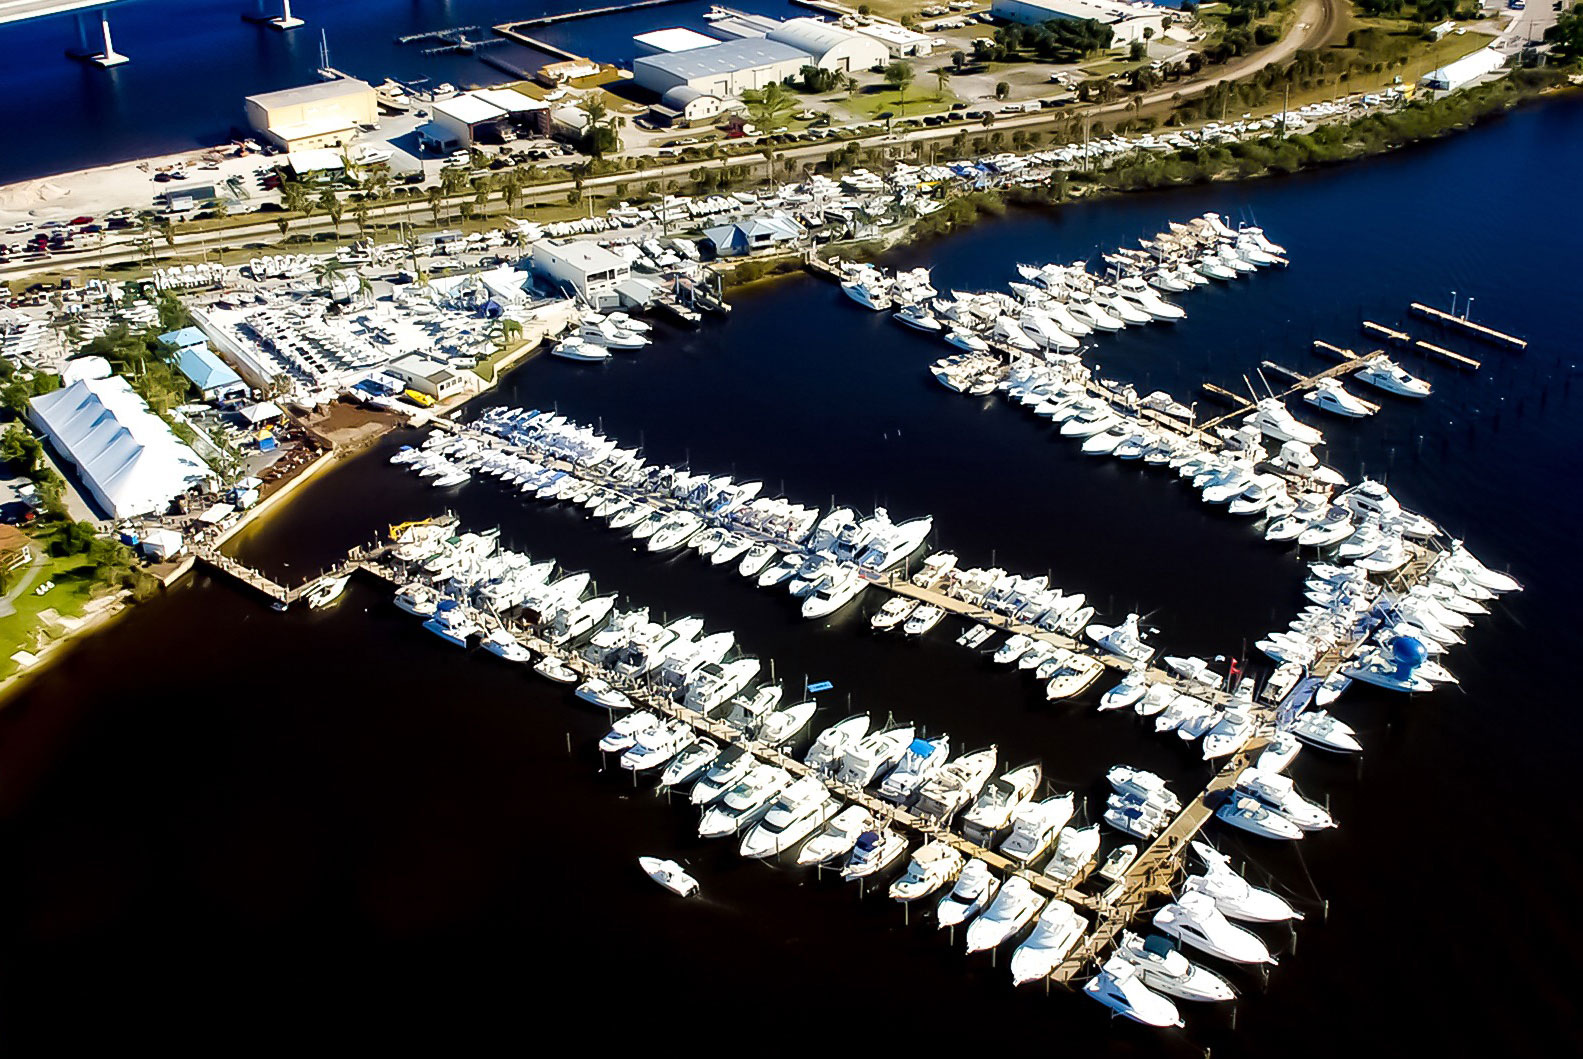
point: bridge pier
(286, 20)
(105, 58)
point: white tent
(127, 457)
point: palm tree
(899, 76)
(942, 80)
(333, 208)
(436, 196)
(593, 106)
(767, 106)
(329, 270)
(360, 217)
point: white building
(588, 268)
(427, 376)
(1126, 20)
(726, 69)
(831, 47)
(128, 458)
(684, 107)
(1463, 72)
(899, 41)
(666, 41)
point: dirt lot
(352, 426)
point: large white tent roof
(127, 456)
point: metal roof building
(664, 41)
(128, 458)
(725, 69)
(831, 47)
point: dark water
(222, 819)
(193, 61)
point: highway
(23, 10)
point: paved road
(22, 10)
(1316, 19)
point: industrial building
(212, 376)
(900, 42)
(666, 41)
(324, 114)
(726, 69)
(426, 376)
(1126, 20)
(484, 115)
(831, 47)
(1462, 72)
(683, 107)
(596, 274)
(768, 231)
(128, 459)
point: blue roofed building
(187, 336)
(210, 374)
(767, 231)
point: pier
(1399, 337)
(1488, 334)
(1300, 384)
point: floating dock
(1399, 337)
(1488, 334)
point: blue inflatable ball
(1409, 651)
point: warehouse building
(667, 41)
(726, 69)
(830, 46)
(128, 458)
(594, 273)
(900, 42)
(1126, 20)
(326, 114)
(684, 107)
(1463, 72)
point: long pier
(1301, 383)
(1488, 334)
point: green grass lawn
(919, 99)
(73, 577)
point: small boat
(1129, 691)
(670, 875)
(1320, 729)
(576, 347)
(1118, 862)
(600, 692)
(1074, 855)
(1035, 825)
(552, 668)
(693, 761)
(502, 644)
(327, 591)
(922, 619)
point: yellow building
(326, 114)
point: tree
(333, 208)
(1148, 32)
(849, 83)
(768, 106)
(1002, 90)
(958, 60)
(899, 76)
(942, 81)
(593, 107)
(282, 224)
(436, 197)
(360, 217)
(511, 188)
(1137, 50)
(1566, 36)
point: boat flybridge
(1383, 373)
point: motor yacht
(1230, 734)
(453, 622)
(935, 864)
(921, 760)
(551, 668)
(1161, 966)
(873, 853)
(781, 726)
(1142, 785)
(656, 745)
(1056, 933)
(576, 347)
(1329, 395)
(992, 812)
(1034, 826)
(713, 684)
(1139, 293)
(1260, 493)
(948, 790)
(1277, 792)
(670, 875)
(502, 644)
(675, 531)
(1320, 729)
(1383, 373)
(746, 803)
(1120, 989)
(831, 744)
(1194, 919)
(833, 592)
(1015, 904)
(756, 559)
(600, 692)
(624, 732)
(975, 888)
(918, 318)
(867, 286)
(801, 809)
(746, 710)
(1194, 669)
(1069, 674)
(1017, 645)
(874, 756)
(922, 619)
(1129, 691)
(691, 762)
(1156, 698)
(728, 769)
(838, 836)
(1249, 815)
(1233, 894)
(1123, 641)
(896, 610)
(1075, 853)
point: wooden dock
(1438, 351)
(1300, 384)
(1372, 328)
(1488, 334)
(1282, 369)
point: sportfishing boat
(801, 809)
(1034, 826)
(873, 756)
(975, 888)
(918, 318)
(1195, 920)
(670, 875)
(1277, 792)
(948, 790)
(1195, 669)
(873, 853)
(691, 763)
(601, 693)
(1229, 735)
(867, 286)
(551, 668)
(746, 803)
(933, 865)
(1053, 938)
(1383, 373)
(831, 744)
(327, 591)
(1120, 989)
(453, 622)
(1123, 641)
(1272, 417)
(1329, 395)
(991, 813)
(1132, 688)
(1318, 728)
(1015, 904)
(838, 837)
(1162, 967)
(783, 725)
(1233, 895)
(502, 644)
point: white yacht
(327, 591)
(781, 726)
(918, 318)
(975, 888)
(551, 668)
(924, 618)
(1195, 669)
(832, 743)
(935, 864)
(838, 837)
(1139, 817)
(921, 760)
(1194, 919)
(656, 745)
(1383, 373)
(867, 286)
(1142, 785)
(1250, 815)
(1015, 904)
(676, 530)
(1132, 687)
(1278, 752)
(670, 875)
(833, 593)
(1035, 825)
(1123, 641)
(728, 768)
(1320, 729)
(624, 732)
(453, 622)
(875, 755)
(1229, 735)
(1329, 395)
(991, 813)
(502, 644)
(691, 763)
(1074, 854)
(1273, 418)
(1277, 792)
(1233, 894)
(873, 853)
(602, 693)
(746, 803)
(801, 809)
(1162, 967)
(755, 559)
(1120, 989)
(953, 787)
(714, 683)
(1139, 293)
(896, 610)
(1054, 936)
(576, 347)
